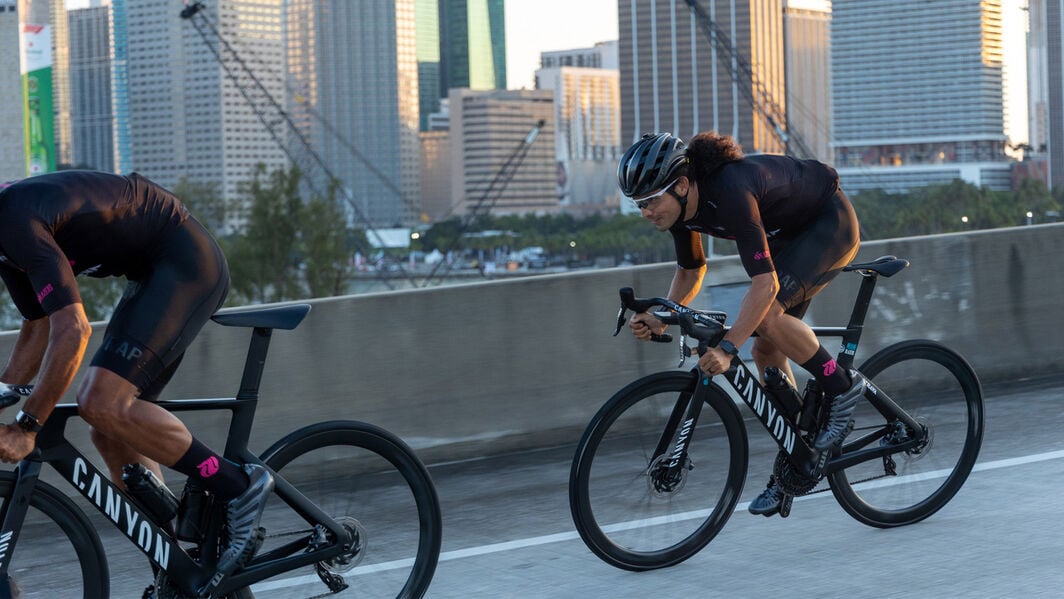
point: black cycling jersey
(754, 200)
(58, 225)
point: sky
(534, 26)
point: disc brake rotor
(354, 555)
(662, 480)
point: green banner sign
(35, 62)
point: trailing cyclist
(794, 230)
(59, 225)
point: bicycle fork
(670, 464)
(12, 514)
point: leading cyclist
(794, 230)
(58, 225)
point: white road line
(633, 524)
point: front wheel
(57, 553)
(371, 482)
(637, 504)
(938, 388)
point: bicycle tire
(42, 562)
(938, 387)
(620, 514)
(361, 473)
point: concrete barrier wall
(490, 367)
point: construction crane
(749, 85)
(278, 122)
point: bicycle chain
(816, 488)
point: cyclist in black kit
(59, 225)
(794, 230)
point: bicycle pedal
(785, 506)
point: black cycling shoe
(770, 500)
(242, 520)
(840, 418)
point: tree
(326, 262)
(263, 260)
(204, 201)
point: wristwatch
(728, 347)
(28, 422)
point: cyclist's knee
(103, 397)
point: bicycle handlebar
(11, 394)
(705, 326)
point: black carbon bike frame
(157, 543)
(778, 412)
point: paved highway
(508, 532)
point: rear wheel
(57, 553)
(374, 485)
(637, 505)
(938, 388)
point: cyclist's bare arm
(68, 335)
(686, 283)
(26, 355)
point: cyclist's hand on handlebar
(645, 324)
(714, 361)
(15, 443)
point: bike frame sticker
(743, 386)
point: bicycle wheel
(369, 480)
(938, 388)
(58, 552)
(624, 510)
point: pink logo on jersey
(761, 255)
(208, 467)
(829, 367)
(44, 292)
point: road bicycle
(661, 466)
(352, 506)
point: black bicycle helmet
(650, 163)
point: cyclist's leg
(126, 429)
(766, 355)
(804, 266)
(157, 318)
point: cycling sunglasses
(643, 203)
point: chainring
(790, 478)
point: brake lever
(684, 351)
(620, 319)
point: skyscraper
(427, 22)
(353, 81)
(472, 44)
(487, 128)
(807, 44)
(1047, 85)
(918, 93)
(587, 113)
(12, 154)
(92, 135)
(60, 79)
(674, 78)
(179, 113)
